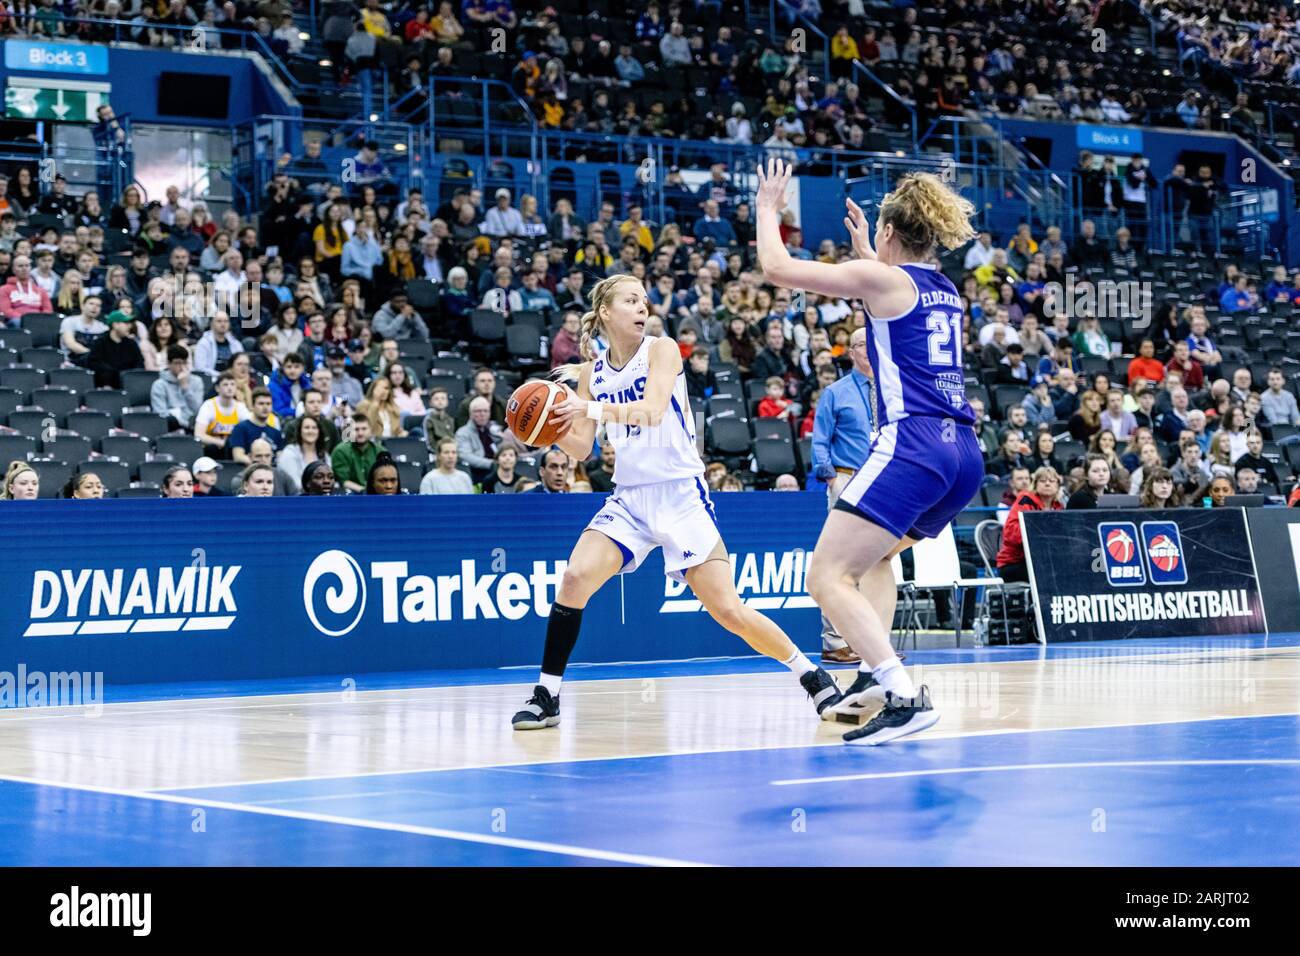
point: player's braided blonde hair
(593, 324)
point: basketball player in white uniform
(637, 390)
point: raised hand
(772, 185)
(859, 230)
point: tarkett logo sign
(336, 592)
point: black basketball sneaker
(899, 717)
(863, 696)
(823, 690)
(541, 711)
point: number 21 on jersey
(944, 328)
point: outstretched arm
(864, 278)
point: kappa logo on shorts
(1120, 552)
(687, 554)
(1164, 549)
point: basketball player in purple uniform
(925, 464)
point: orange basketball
(528, 409)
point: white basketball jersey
(644, 455)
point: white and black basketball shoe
(541, 711)
(823, 690)
(899, 717)
(862, 697)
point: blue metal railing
(258, 146)
(193, 37)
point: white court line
(1000, 768)
(836, 742)
(334, 697)
(612, 856)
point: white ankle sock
(893, 677)
(551, 683)
(800, 664)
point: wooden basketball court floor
(1158, 752)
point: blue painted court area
(1216, 792)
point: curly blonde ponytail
(592, 325)
(925, 212)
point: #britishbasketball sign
(1178, 573)
(1119, 550)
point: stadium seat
(423, 296)
(54, 474)
(15, 339)
(728, 436)
(31, 421)
(804, 447)
(727, 408)
(24, 378)
(151, 472)
(129, 449)
(92, 424)
(139, 489)
(409, 475)
(110, 400)
(524, 342)
(454, 384)
(42, 358)
(416, 352)
(183, 448)
(59, 402)
(64, 445)
(43, 328)
(115, 475)
(15, 447)
(408, 449)
(488, 326)
(771, 428)
(80, 380)
(528, 317)
(138, 382)
(146, 424)
(775, 456)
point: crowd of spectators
(352, 342)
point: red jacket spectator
(1147, 368)
(1294, 500)
(806, 426)
(17, 298)
(1193, 377)
(1013, 546)
(772, 407)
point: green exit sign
(67, 101)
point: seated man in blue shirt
(712, 226)
(263, 424)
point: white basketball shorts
(674, 515)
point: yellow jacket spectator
(635, 226)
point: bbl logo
(1164, 550)
(1119, 550)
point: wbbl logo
(1160, 553)
(1164, 551)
